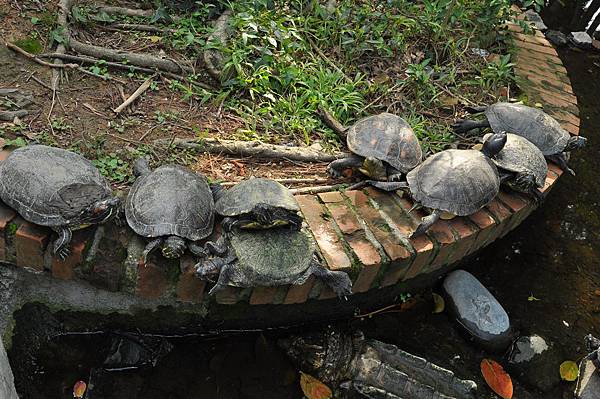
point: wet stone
(477, 311)
(588, 384)
(534, 360)
(581, 39)
(536, 20)
(556, 37)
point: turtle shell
(271, 257)
(171, 200)
(457, 181)
(531, 123)
(244, 196)
(35, 181)
(520, 155)
(386, 137)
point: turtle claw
(395, 177)
(63, 253)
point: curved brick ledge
(362, 232)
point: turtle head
(494, 144)
(141, 167)
(575, 142)
(100, 211)
(173, 247)
(374, 168)
(524, 182)
(263, 214)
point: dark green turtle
(384, 147)
(522, 165)
(56, 188)
(459, 182)
(269, 257)
(258, 204)
(531, 123)
(172, 205)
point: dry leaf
(569, 370)
(447, 215)
(313, 388)
(531, 298)
(79, 389)
(154, 39)
(597, 292)
(439, 303)
(497, 378)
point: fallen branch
(214, 59)
(141, 28)
(317, 189)
(283, 181)
(255, 149)
(129, 12)
(33, 58)
(64, 7)
(143, 87)
(329, 120)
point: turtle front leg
(197, 249)
(464, 125)
(151, 246)
(393, 174)
(218, 247)
(229, 223)
(561, 161)
(61, 245)
(223, 266)
(426, 223)
(388, 185)
(336, 168)
(338, 281)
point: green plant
(114, 168)
(60, 124)
(536, 4)
(498, 73)
(99, 68)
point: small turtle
(384, 147)
(531, 123)
(522, 165)
(269, 257)
(456, 181)
(172, 205)
(56, 188)
(258, 204)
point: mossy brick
(554, 168)
(387, 204)
(30, 244)
(540, 41)
(299, 293)
(524, 70)
(528, 45)
(562, 100)
(531, 58)
(152, 281)
(65, 269)
(6, 216)
(399, 255)
(549, 182)
(518, 204)
(190, 288)
(502, 214)
(444, 236)
(229, 295)
(487, 226)
(322, 228)
(263, 295)
(425, 251)
(466, 233)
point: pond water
(544, 273)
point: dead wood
(213, 58)
(64, 7)
(33, 58)
(143, 87)
(329, 120)
(141, 28)
(129, 12)
(255, 149)
(317, 189)
(284, 181)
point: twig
(329, 120)
(35, 79)
(132, 141)
(317, 189)
(143, 87)
(37, 60)
(143, 136)
(284, 181)
(464, 100)
(256, 149)
(140, 27)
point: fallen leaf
(439, 303)
(497, 378)
(154, 39)
(531, 298)
(569, 370)
(477, 147)
(597, 292)
(313, 388)
(447, 215)
(79, 389)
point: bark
(214, 60)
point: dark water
(554, 256)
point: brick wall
(362, 232)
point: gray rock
(7, 387)
(477, 311)
(556, 37)
(534, 361)
(588, 383)
(536, 20)
(581, 39)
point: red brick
(467, 235)
(555, 169)
(550, 179)
(4, 154)
(299, 293)
(532, 58)
(516, 28)
(228, 295)
(30, 243)
(424, 253)
(541, 41)
(525, 70)
(559, 98)
(487, 226)
(386, 203)
(325, 235)
(332, 196)
(536, 47)
(65, 269)
(346, 221)
(513, 201)
(152, 281)
(502, 213)
(569, 127)
(400, 256)
(6, 216)
(327, 293)
(189, 287)
(263, 295)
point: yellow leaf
(497, 378)
(447, 215)
(531, 298)
(79, 389)
(439, 303)
(313, 388)
(569, 370)
(477, 147)
(155, 39)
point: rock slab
(588, 384)
(478, 311)
(581, 39)
(7, 386)
(536, 20)
(534, 360)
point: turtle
(522, 165)
(258, 204)
(268, 257)
(459, 182)
(384, 148)
(531, 123)
(171, 205)
(57, 188)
